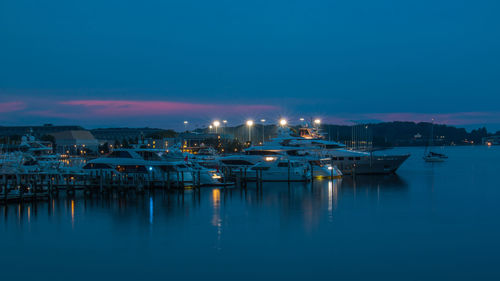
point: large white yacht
(321, 167)
(312, 144)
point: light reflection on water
(428, 220)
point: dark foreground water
(430, 222)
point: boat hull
(372, 165)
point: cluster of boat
(287, 157)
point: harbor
(32, 170)
(426, 208)
(249, 140)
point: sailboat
(429, 155)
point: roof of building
(74, 135)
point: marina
(387, 221)
(249, 140)
(34, 171)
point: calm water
(432, 221)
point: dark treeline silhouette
(405, 134)
(377, 134)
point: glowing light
(216, 123)
(250, 123)
(224, 121)
(301, 119)
(185, 122)
(283, 122)
(268, 159)
(317, 121)
(73, 213)
(262, 120)
(210, 126)
(151, 215)
(216, 197)
(150, 168)
(330, 168)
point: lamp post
(317, 122)
(216, 125)
(263, 121)
(210, 127)
(224, 127)
(249, 124)
(185, 125)
(283, 122)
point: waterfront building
(111, 135)
(75, 141)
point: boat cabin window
(331, 146)
(341, 158)
(131, 169)
(283, 164)
(296, 153)
(120, 154)
(334, 158)
(259, 168)
(31, 162)
(167, 168)
(237, 162)
(351, 158)
(358, 158)
(261, 152)
(149, 156)
(96, 166)
(315, 162)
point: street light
(317, 122)
(224, 128)
(210, 127)
(283, 122)
(249, 124)
(185, 125)
(263, 121)
(216, 125)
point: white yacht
(31, 156)
(321, 167)
(205, 156)
(204, 174)
(347, 160)
(141, 161)
(278, 169)
(429, 155)
(160, 167)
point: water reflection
(305, 203)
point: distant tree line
(378, 134)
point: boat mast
(431, 138)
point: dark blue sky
(339, 60)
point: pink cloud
(11, 106)
(120, 108)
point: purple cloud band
(93, 111)
(147, 108)
(11, 106)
